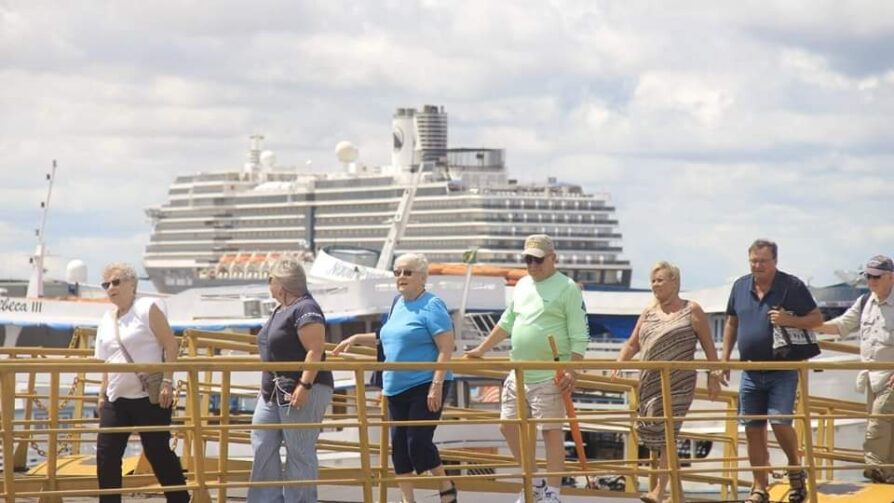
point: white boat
(226, 227)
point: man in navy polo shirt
(759, 300)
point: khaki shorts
(544, 402)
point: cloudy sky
(710, 124)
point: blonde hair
(288, 272)
(415, 260)
(672, 271)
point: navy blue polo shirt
(278, 341)
(755, 333)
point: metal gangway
(37, 384)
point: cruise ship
(226, 228)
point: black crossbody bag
(793, 344)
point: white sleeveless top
(139, 340)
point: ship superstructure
(228, 227)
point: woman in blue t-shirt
(418, 329)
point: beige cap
(539, 245)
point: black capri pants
(412, 446)
(156, 444)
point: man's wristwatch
(306, 385)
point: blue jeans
(767, 392)
(301, 448)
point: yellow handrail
(196, 425)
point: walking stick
(572, 416)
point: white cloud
(706, 122)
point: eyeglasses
(403, 272)
(108, 284)
(269, 279)
(530, 259)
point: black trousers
(412, 446)
(156, 444)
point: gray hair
(288, 272)
(672, 271)
(125, 272)
(764, 243)
(416, 261)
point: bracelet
(436, 382)
(168, 381)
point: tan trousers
(878, 446)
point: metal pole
(7, 413)
(670, 440)
(364, 434)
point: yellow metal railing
(203, 373)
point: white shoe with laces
(551, 495)
(538, 491)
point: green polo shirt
(554, 307)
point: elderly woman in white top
(134, 330)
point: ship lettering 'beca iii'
(227, 228)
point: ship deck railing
(203, 375)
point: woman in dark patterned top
(295, 332)
(667, 330)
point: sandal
(797, 489)
(758, 496)
(645, 498)
(449, 493)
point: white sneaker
(538, 491)
(551, 495)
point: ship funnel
(254, 155)
(403, 133)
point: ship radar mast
(35, 282)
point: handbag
(793, 344)
(151, 381)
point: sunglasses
(530, 259)
(873, 276)
(108, 284)
(403, 272)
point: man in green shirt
(545, 302)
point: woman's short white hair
(288, 272)
(124, 270)
(415, 261)
(673, 272)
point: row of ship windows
(588, 234)
(546, 203)
(472, 217)
(231, 224)
(389, 193)
(296, 221)
(224, 235)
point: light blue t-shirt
(408, 336)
